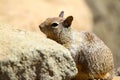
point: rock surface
(28, 56)
(116, 78)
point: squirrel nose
(40, 27)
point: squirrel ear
(68, 21)
(61, 14)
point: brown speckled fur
(93, 58)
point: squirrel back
(93, 58)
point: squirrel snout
(40, 26)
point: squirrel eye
(54, 24)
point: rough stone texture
(116, 78)
(28, 56)
(106, 17)
(118, 71)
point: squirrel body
(93, 58)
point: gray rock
(118, 71)
(28, 56)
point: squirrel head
(52, 27)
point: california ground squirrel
(93, 58)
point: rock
(106, 18)
(118, 71)
(116, 78)
(28, 56)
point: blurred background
(100, 16)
